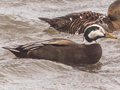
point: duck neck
(88, 43)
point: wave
(19, 24)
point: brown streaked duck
(73, 23)
(66, 51)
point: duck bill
(108, 35)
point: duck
(65, 51)
(77, 22)
(74, 23)
(114, 15)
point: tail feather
(11, 49)
(45, 19)
(57, 23)
(17, 53)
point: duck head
(95, 31)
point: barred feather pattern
(85, 15)
(78, 26)
(75, 22)
(80, 21)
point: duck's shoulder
(59, 41)
(90, 46)
(93, 45)
(54, 42)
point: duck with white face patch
(65, 51)
(94, 32)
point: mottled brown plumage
(114, 15)
(73, 23)
(77, 22)
(88, 15)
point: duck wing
(36, 45)
(22, 50)
(85, 15)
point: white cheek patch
(94, 34)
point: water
(19, 24)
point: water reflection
(95, 68)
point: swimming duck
(79, 21)
(114, 15)
(65, 51)
(73, 23)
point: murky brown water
(19, 25)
